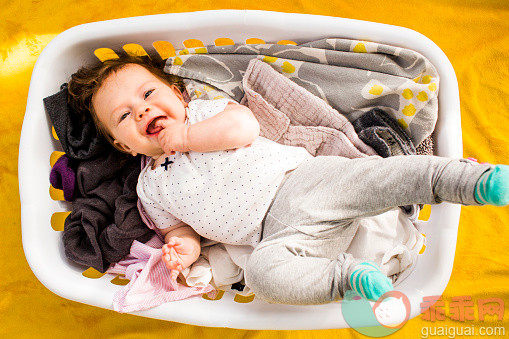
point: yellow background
(474, 34)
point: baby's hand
(173, 137)
(178, 254)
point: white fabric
(221, 266)
(389, 239)
(222, 195)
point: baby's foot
(493, 186)
(367, 280)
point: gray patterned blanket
(351, 76)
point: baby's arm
(234, 127)
(181, 248)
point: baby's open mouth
(154, 126)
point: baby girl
(211, 175)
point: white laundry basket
(74, 47)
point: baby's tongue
(154, 126)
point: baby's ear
(178, 93)
(124, 148)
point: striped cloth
(150, 283)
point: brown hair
(87, 80)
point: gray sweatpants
(313, 218)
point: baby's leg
(292, 267)
(350, 188)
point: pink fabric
(291, 115)
(475, 160)
(150, 283)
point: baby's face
(131, 102)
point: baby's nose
(143, 112)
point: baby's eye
(147, 93)
(123, 116)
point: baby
(211, 175)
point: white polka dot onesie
(222, 195)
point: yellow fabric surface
(474, 34)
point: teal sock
(493, 186)
(367, 280)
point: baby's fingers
(165, 141)
(174, 274)
(166, 249)
(173, 241)
(173, 261)
(173, 265)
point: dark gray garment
(104, 220)
(377, 129)
(75, 130)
